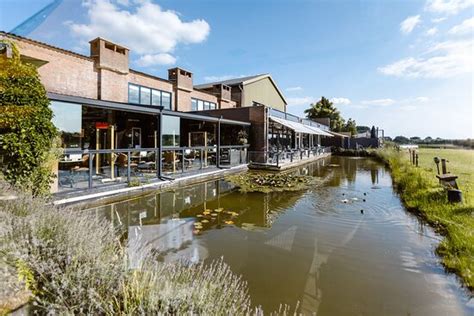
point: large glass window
(145, 96)
(206, 105)
(68, 120)
(166, 100)
(155, 97)
(212, 106)
(171, 131)
(194, 105)
(200, 105)
(133, 93)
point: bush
(26, 130)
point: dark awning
(144, 109)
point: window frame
(150, 103)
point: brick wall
(104, 77)
(64, 73)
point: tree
(26, 130)
(401, 140)
(362, 129)
(415, 139)
(373, 133)
(325, 109)
(350, 126)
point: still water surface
(346, 246)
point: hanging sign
(101, 125)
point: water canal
(346, 246)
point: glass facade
(68, 120)
(147, 96)
(171, 131)
(200, 105)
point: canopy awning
(339, 135)
(319, 131)
(300, 128)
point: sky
(405, 66)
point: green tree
(26, 131)
(401, 140)
(325, 109)
(363, 129)
(350, 126)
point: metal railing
(282, 157)
(93, 168)
(295, 118)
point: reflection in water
(306, 246)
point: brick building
(107, 112)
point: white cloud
(294, 89)
(343, 101)
(432, 31)
(466, 27)
(409, 24)
(222, 78)
(145, 28)
(300, 101)
(438, 20)
(422, 99)
(443, 60)
(379, 102)
(156, 59)
(448, 6)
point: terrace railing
(281, 157)
(88, 169)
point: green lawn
(421, 192)
(461, 163)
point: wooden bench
(448, 180)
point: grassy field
(421, 192)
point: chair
(170, 160)
(122, 163)
(83, 168)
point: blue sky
(402, 65)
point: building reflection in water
(164, 224)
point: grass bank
(422, 194)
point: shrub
(26, 130)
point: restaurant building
(117, 123)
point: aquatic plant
(73, 262)
(270, 182)
(423, 195)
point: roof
(32, 41)
(230, 82)
(144, 109)
(243, 81)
